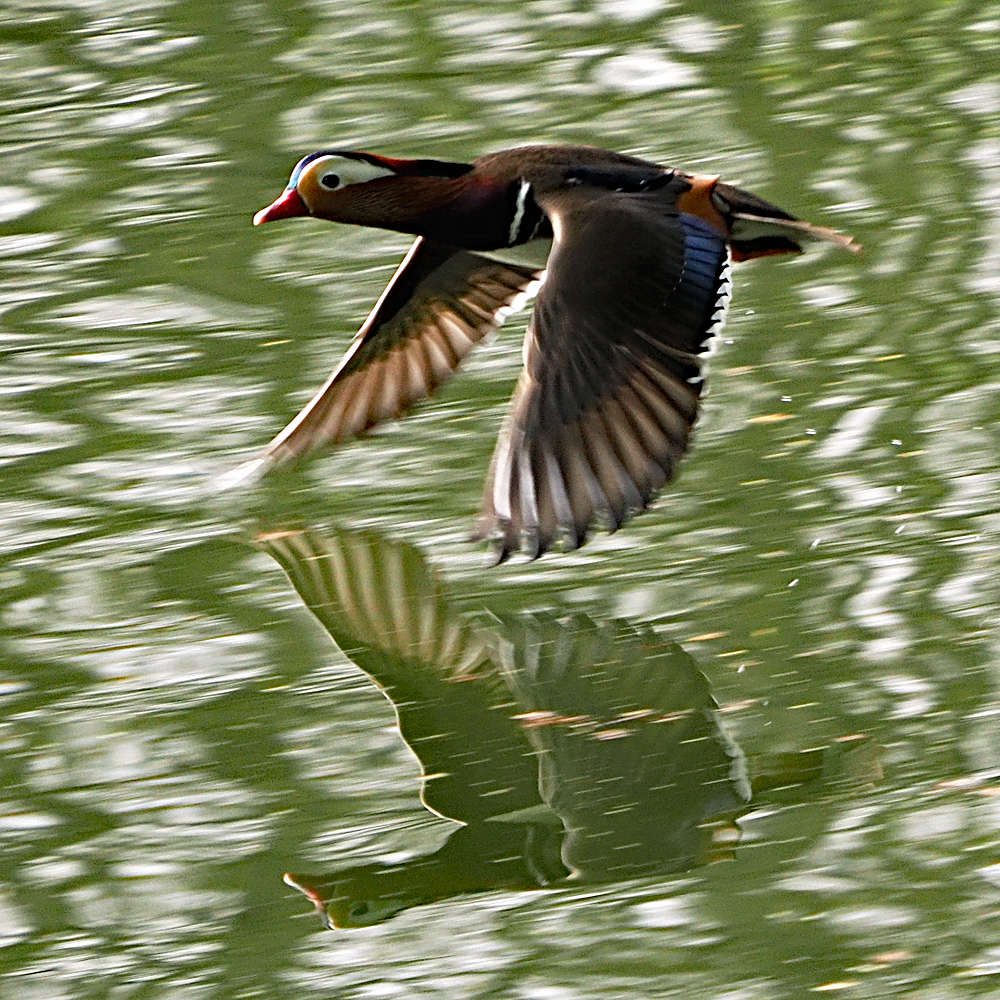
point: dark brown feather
(612, 376)
(439, 304)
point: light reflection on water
(177, 731)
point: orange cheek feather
(698, 201)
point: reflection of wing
(387, 611)
(440, 303)
(632, 755)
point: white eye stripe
(334, 172)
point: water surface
(178, 730)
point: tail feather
(758, 228)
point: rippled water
(178, 731)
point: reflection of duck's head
(521, 854)
(338, 908)
(636, 285)
(567, 748)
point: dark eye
(329, 181)
(358, 909)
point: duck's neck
(470, 212)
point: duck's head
(365, 189)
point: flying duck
(630, 261)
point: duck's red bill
(287, 206)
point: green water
(177, 731)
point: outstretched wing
(439, 304)
(633, 292)
(387, 610)
(632, 755)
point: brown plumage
(635, 285)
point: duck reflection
(570, 750)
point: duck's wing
(634, 290)
(439, 304)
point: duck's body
(635, 284)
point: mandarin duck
(630, 261)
